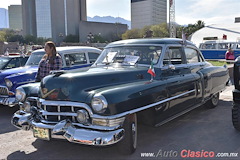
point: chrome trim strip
(66, 103)
(59, 110)
(85, 106)
(26, 82)
(142, 108)
(179, 114)
(106, 128)
(72, 109)
(46, 113)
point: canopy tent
(230, 32)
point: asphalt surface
(200, 131)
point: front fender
(23, 78)
(31, 89)
(132, 96)
(215, 79)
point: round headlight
(9, 83)
(99, 103)
(20, 94)
(82, 116)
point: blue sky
(187, 11)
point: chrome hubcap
(134, 135)
(215, 99)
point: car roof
(15, 56)
(149, 41)
(70, 48)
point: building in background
(53, 19)
(4, 22)
(57, 19)
(15, 17)
(29, 17)
(148, 12)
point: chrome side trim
(179, 114)
(143, 108)
(85, 106)
(26, 82)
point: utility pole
(172, 24)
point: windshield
(3, 61)
(130, 55)
(35, 58)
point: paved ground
(203, 130)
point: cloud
(211, 12)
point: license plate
(41, 133)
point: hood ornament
(44, 92)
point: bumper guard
(66, 130)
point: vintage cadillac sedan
(150, 80)
(73, 58)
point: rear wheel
(129, 142)
(213, 102)
(236, 116)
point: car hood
(14, 71)
(19, 70)
(78, 86)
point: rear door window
(173, 55)
(192, 55)
(92, 56)
(75, 59)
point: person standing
(50, 61)
(229, 55)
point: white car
(73, 58)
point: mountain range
(110, 19)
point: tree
(8, 34)
(200, 24)
(130, 34)
(146, 32)
(16, 38)
(30, 39)
(2, 36)
(160, 30)
(71, 38)
(190, 28)
(98, 39)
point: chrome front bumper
(8, 101)
(66, 130)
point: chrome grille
(58, 113)
(3, 90)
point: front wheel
(129, 142)
(236, 116)
(213, 102)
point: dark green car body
(117, 87)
